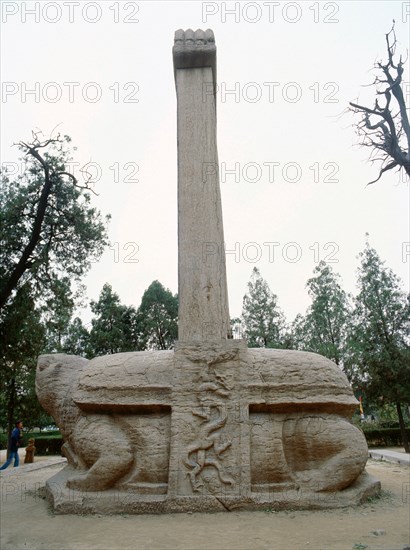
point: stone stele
(211, 425)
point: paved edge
(25, 468)
(390, 456)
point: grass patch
(382, 496)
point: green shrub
(384, 437)
(27, 435)
(48, 445)
(3, 441)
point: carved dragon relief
(210, 444)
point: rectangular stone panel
(206, 435)
(150, 435)
(268, 466)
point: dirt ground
(381, 523)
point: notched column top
(193, 49)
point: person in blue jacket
(15, 442)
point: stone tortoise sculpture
(212, 425)
(204, 419)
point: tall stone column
(202, 287)
(211, 425)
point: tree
(323, 328)
(379, 338)
(49, 234)
(385, 128)
(158, 318)
(22, 337)
(114, 325)
(57, 313)
(77, 339)
(262, 318)
(48, 228)
(236, 328)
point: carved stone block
(210, 426)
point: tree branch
(386, 133)
(51, 176)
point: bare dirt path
(383, 523)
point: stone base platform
(134, 501)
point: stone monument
(212, 425)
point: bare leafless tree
(385, 128)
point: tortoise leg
(105, 449)
(324, 452)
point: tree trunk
(10, 412)
(404, 438)
(22, 265)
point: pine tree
(379, 340)
(263, 320)
(57, 313)
(114, 325)
(158, 318)
(77, 339)
(323, 328)
(22, 338)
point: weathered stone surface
(194, 49)
(212, 425)
(202, 286)
(209, 421)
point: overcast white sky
(300, 183)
